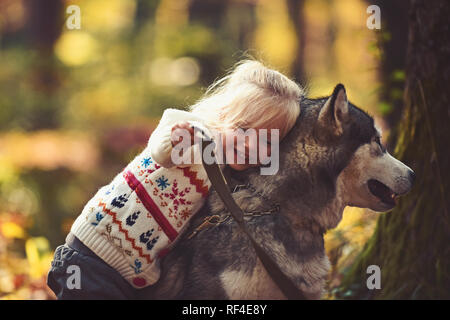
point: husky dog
(332, 158)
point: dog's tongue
(382, 192)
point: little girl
(115, 245)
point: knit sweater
(134, 221)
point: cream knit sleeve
(160, 142)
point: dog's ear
(334, 113)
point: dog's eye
(378, 141)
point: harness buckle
(209, 221)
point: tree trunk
(297, 16)
(232, 23)
(393, 40)
(44, 24)
(411, 243)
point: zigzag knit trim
(198, 183)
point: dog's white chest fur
(257, 284)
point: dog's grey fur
(325, 163)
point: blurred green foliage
(77, 105)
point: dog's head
(344, 146)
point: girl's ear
(334, 113)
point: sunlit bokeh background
(77, 105)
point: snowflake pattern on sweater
(141, 213)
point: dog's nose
(412, 176)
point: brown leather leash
(219, 183)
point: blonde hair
(251, 96)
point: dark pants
(77, 273)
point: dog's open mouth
(382, 192)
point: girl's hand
(179, 131)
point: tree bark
(411, 243)
(44, 25)
(233, 23)
(393, 40)
(296, 14)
